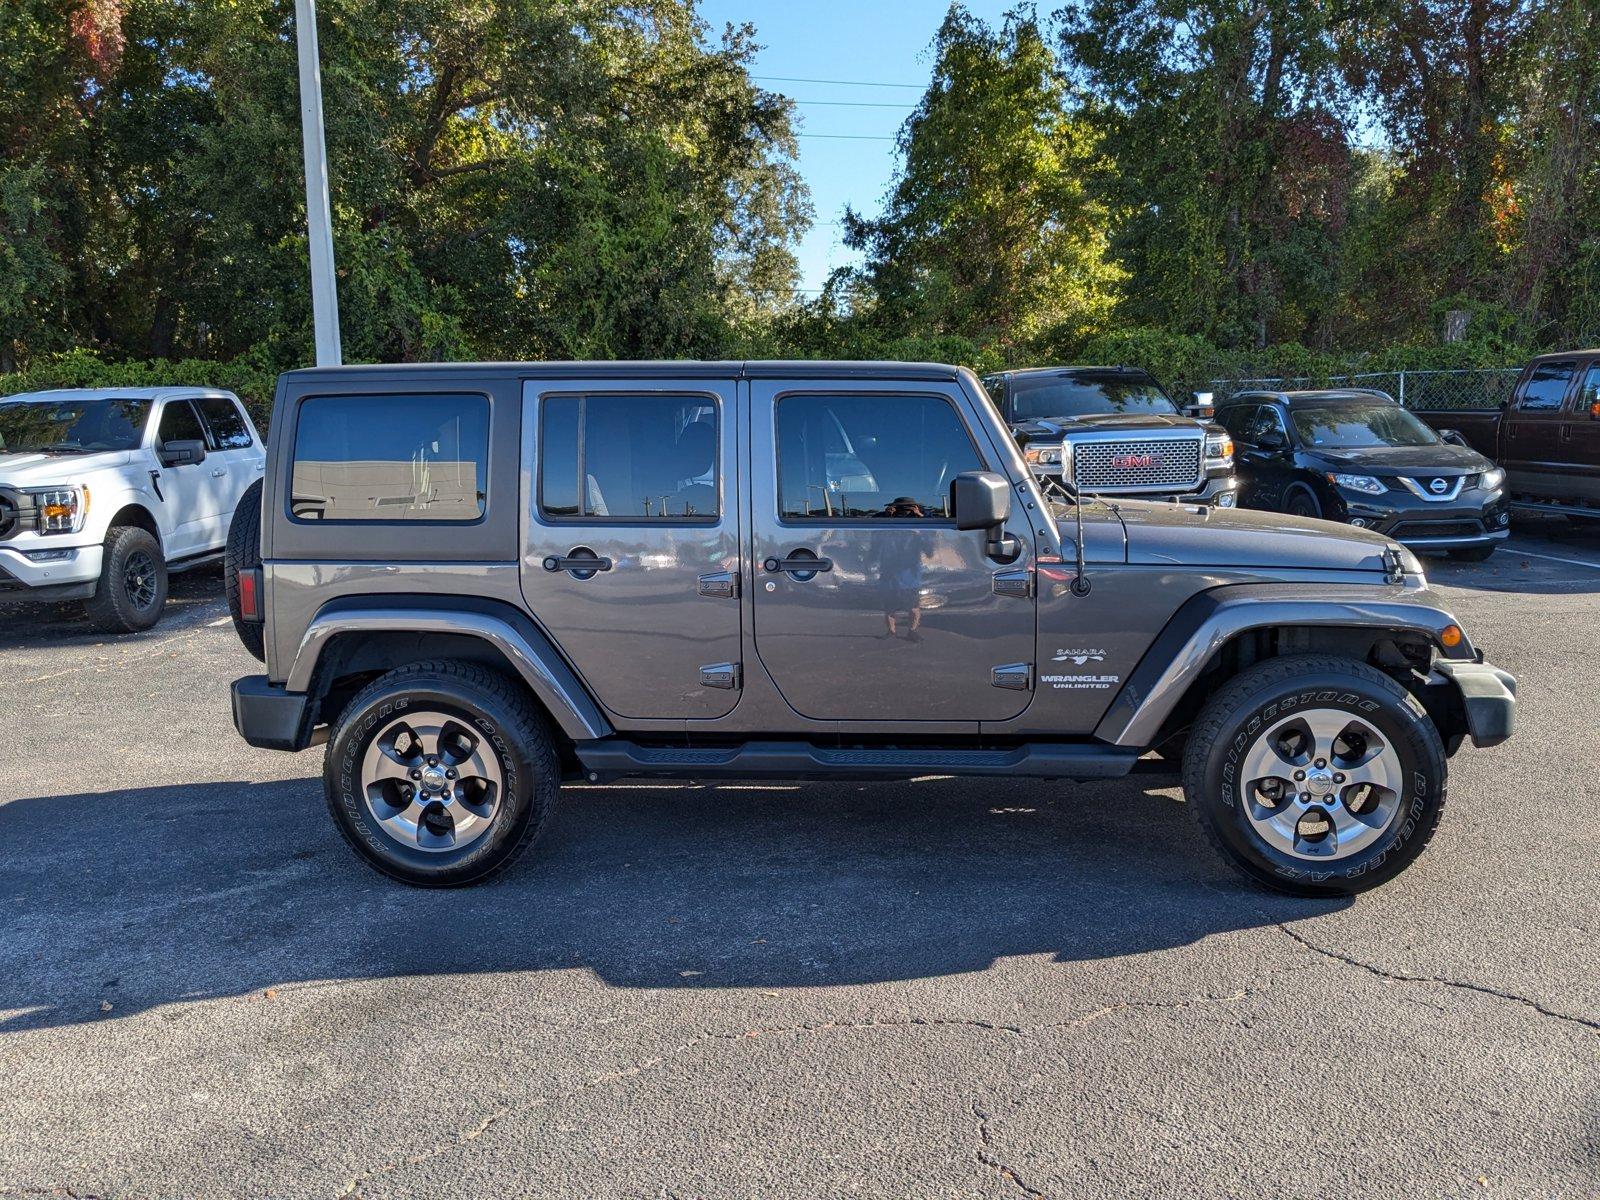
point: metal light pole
(319, 214)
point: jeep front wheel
(1315, 776)
(440, 774)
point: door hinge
(720, 675)
(724, 585)
(1014, 677)
(1017, 584)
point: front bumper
(1475, 519)
(25, 580)
(270, 716)
(1488, 697)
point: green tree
(989, 232)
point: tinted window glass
(1082, 393)
(179, 424)
(1352, 426)
(647, 457)
(1237, 420)
(228, 428)
(842, 456)
(391, 458)
(1589, 394)
(71, 426)
(1547, 386)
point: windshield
(71, 426)
(1086, 393)
(1352, 426)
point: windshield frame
(1155, 400)
(142, 422)
(1361, 412)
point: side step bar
(1571, 510)
(613, 758)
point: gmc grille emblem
(1132, 462)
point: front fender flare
(1210, 620)
(521, 642)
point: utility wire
(840, 82)
(856, 103)
(849, 137)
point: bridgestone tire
(495, 709)
(244, 554)
(1265, 694)
(112, 609)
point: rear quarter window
(391, 457)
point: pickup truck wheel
(133, 582)
(1316, 776)
(440, 774)
(244, 554)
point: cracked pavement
(998, 990)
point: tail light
(250, 595)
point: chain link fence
(1419, 390)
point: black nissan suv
(1114, 431)
(1358, 457)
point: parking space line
(1575, 562)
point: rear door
(234, 461)
(1581, 439)
(631, 559)
(1531, 429)
(870, 605)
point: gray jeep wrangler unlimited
(475, 582)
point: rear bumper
(1488, 696)
(270, 716)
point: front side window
(179, 424)
(228, 428)
(391, 458)
(71, 426)
(650, 457)
(866, 457)
(1354, 426)
(1547, 387)
(1238, 421)
(1589, 394)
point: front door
(192, 506)
(631, 557)
(1581, 439)
(869, 604)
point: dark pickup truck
(1547, 436)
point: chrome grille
(1166, 465)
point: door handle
(800, 566)
(581, 561)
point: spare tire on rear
(244, 554)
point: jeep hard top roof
(656, 369)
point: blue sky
(862, 41)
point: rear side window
(638, 458)
(1546, 387)
(391, 458)
(179, 424)
(870, 457)
(227, 424)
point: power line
(849, 137)
(856, 103)
(839, 82)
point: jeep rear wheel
(1315, 776)
(440, 774)
(133, 582)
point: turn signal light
(1450, 636)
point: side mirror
(1454, 437)
(1594, 410)
(982, 500)
(185, 453)
(1203, 407)
(1271, 439)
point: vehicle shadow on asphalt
(144, 898)
(191, 595)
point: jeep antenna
(1080, 581)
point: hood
(42, 470)
(1043, 427)
(1188, 535)
(1443, 459)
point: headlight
(1358, 483)
(1492, 479)
(1220, 450)
(1042, 456)
(60, 509)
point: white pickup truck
(104, 492)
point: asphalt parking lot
(930, 989)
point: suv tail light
(250, 594)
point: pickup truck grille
(8, 516)
(1164, 465)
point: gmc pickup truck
(1547, 436)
